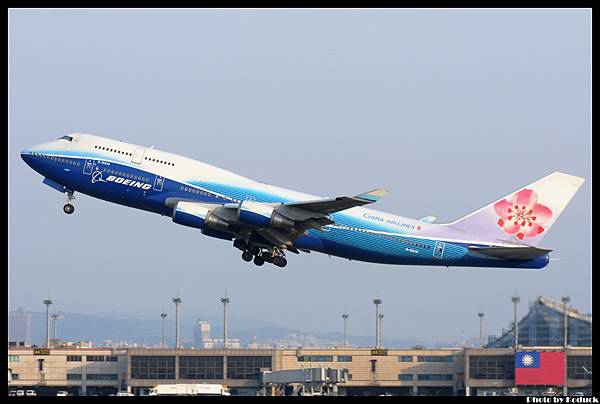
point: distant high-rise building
(201, 333)
(203, 340)
(19, 327)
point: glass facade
(344, 358)
(247, 367)
(492, 367)
(544, 326)
(405, 376)
(153, 367)
(436, 377)
(73, 358)
(73, 376)
(201, 367)
(405, 358)
(101, 376)
(315, 358)
(579, 367)
(435, 358)
(101, 358)
(436, 391)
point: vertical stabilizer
(526, 215)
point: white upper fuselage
(358, 233)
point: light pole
(565, 300)
(225, 301)
(379, 344)
(55, 317)
(377, 319)
(47, 302)
(177, 301)
(345, 317)
(163, 316)
(480, 314)
(515, 299)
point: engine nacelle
(255, 214)
(260, 215)
(194, 215)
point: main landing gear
(247, 256)
(259, 257)
(69, 207)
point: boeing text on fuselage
(265, 222)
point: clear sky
(449, 110)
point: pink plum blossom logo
(522, 215)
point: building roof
(571, 312)
(551, 304)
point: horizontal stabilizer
(428, 219)
(511, 253)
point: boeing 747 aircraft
(265, 221)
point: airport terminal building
(456, 371)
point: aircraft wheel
(68, 208)
(247, 256)
(268, 258)
(258, 260)
(279, 261)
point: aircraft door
(138, 155)
(158, 183)
(88, 166)
(438, 250)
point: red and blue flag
(539, 368)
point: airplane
(265, 222)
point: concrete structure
(80, 371)
(491, 370)
(473, 371)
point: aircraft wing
(515, 253)
(293, 218)
(332, 205)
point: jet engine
(260, 215)
(195, 215)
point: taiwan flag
(539, 368)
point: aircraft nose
(27, 155)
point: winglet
(374, 195)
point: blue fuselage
(121, 182)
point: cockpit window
(69, 138)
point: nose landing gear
(69, 208)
